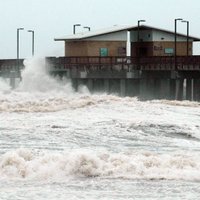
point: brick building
(128, 41)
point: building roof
(114, 29)
(88, 34)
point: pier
(11, 69)
(145, 78)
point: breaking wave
(37, 102)
(4, 86)
(35, 78)
(30, 165)
(178, 103)
(39, 92)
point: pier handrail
(146, 63)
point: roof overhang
(114, 29)
(90, 34)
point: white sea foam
(178, 103)
(26, 164)
(93, 140)
(39, 92)
(49, 102)
(4, 86)
(35, 78)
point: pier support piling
(189, 89)
(179, 89)
(132, 87)
(164, 89)
(143, 88)
(122, 87)
(13, 77)
(196, 86)
(90, 85)
(106, 86)
(12, 83)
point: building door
(141, 49)
(143, 52)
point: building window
(103, 51)
(169, 51)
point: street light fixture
(175, 33)
(74, 28)
(138, 41)
(184, 21)
(33, 35)
(139, 21)
(18, 30)
(87, 27)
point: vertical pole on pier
(75, 83)
(90, 84)
(175, 34)
(192, 92)
(164, 89)
(33, 36)
(143, 88)
(106, 86)
(179, 89)
(74, 28)
(19, 29)
(172, 89)
(122, 87)
(138, 40)
(12, 79)
(184, 89)
(196, 87)
(175, 67)
(187, 22)
(187, 38)
(179, 84)
(128, 44)
(189, 89)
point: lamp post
(74, 28)
(18, 30)
(139, 21)
(87, 27)
(187, 22)
(138, 40)
(33, 38)
(175, 33)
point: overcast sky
(55, 18)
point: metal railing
(146, 63)
(184, 63)
(7, 65)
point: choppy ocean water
(59, 144)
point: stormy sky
(55, 18)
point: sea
(60, 144)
